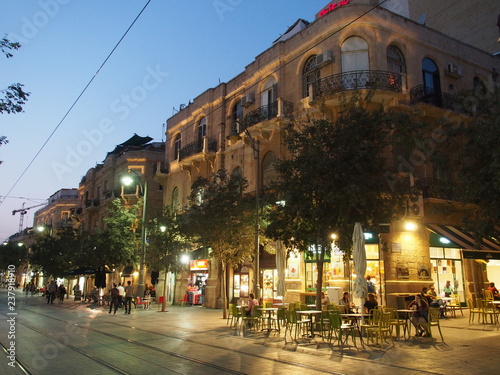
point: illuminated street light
(133, 178)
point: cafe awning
(488, 250)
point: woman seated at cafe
(346, 302)
(494, 291)
(370, 303)
(325, 300)
(251, 303)
(420, 315)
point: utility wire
(75, 102)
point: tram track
(220, 369)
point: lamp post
(255, 144)
(129, 180)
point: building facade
(102, 184)
(351, 45)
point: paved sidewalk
(467, 348)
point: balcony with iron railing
(422, 94)
(92, 203)
(268, 112)
(355, 80)
(203, 147)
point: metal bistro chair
(490, 310)
(433, 321)
(340, 330)
(382, 330)
(395, 321)
(235, 316)
(279, 319)
(454, 305)
(474, 310)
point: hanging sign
(331, 7)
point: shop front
(197, 281)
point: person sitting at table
(325, 300)
(370, 303)
(344, 301)
(436, 302)
(494, 291)
(420, 315)
(251, 303)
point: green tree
(221, 218)
(166, 245)
(118, 243)
(55, 254)
(14, 95)
(12, 253)
(338, 173)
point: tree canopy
(336, 174)
(219, 217)
(14, 95)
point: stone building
(350, 45)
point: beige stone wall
(284, 62)
(472, 21)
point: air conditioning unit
(247, 100)
(416, 206)
(323, 59)
(454, 70)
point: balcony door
(202, 132)
(355, 63)
(268, 97)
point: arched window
(175, 199)
(354, 52)
(177, 146)
(430, 73)
(432, 85)
(310, 75)
(269, 173)
(395, 60)
(202, 132)
(237, 116)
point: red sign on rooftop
(331, 7)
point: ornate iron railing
(422, 94)
(196, 147)
(357, 79)
(264, 113)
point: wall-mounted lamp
(411, 226)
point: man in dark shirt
(113, 293)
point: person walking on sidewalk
(129, 294)
(62, 293)
(114, 298)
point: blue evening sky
(174, 52)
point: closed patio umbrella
(280, 266)
(359, 257)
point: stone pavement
(467, 348)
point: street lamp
(255, 144)
(129, 179)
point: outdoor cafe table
(357, 317)
(270, 311)
(310, 314)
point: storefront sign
(197, 265)
(331, 7)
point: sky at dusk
(174, 52)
